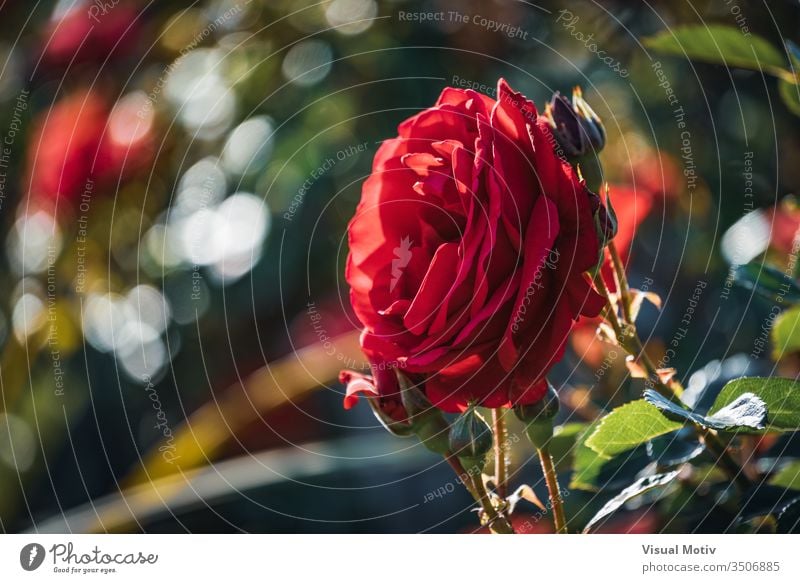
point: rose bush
(468, 254)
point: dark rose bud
(427, 422)
(605, 221)
(471, 439)
(575, 125)
(539, 417)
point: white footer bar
(398, 558)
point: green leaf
(674, 448)
(786, 333)
(563, 444)
(719, 44)
(781, 396)
(768, 282)
(593, 472)
(790, 94)
(588, 463)
(638, 488)
(671, 409)
(745, 412)
(628, 426)
(787, 477)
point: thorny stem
(622, 283)
(500, 453)
(556, 502)
(497, 522)
(611, 307)
(629, 340)
(632, 344)
(723, 455)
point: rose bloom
(468, 254)
(84, 34)
(64, 150)
(80, 138)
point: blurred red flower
(81, 138)
(784, 221)
(88, 34)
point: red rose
(80, 138)
(89, 34)
(65, 149)
(468, 252)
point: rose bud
(538, 417)
(471, 439)
(605, 222)
(427, 422)
(576, 127)
(469, 251)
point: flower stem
(556, 502)
(500, 453)
(611, 307)
(497, 522)
(622, 283)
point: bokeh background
(175, 184)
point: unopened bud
(575, 125)
(539, 416)
(427, 422)
(471, 439)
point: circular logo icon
(31, 556)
